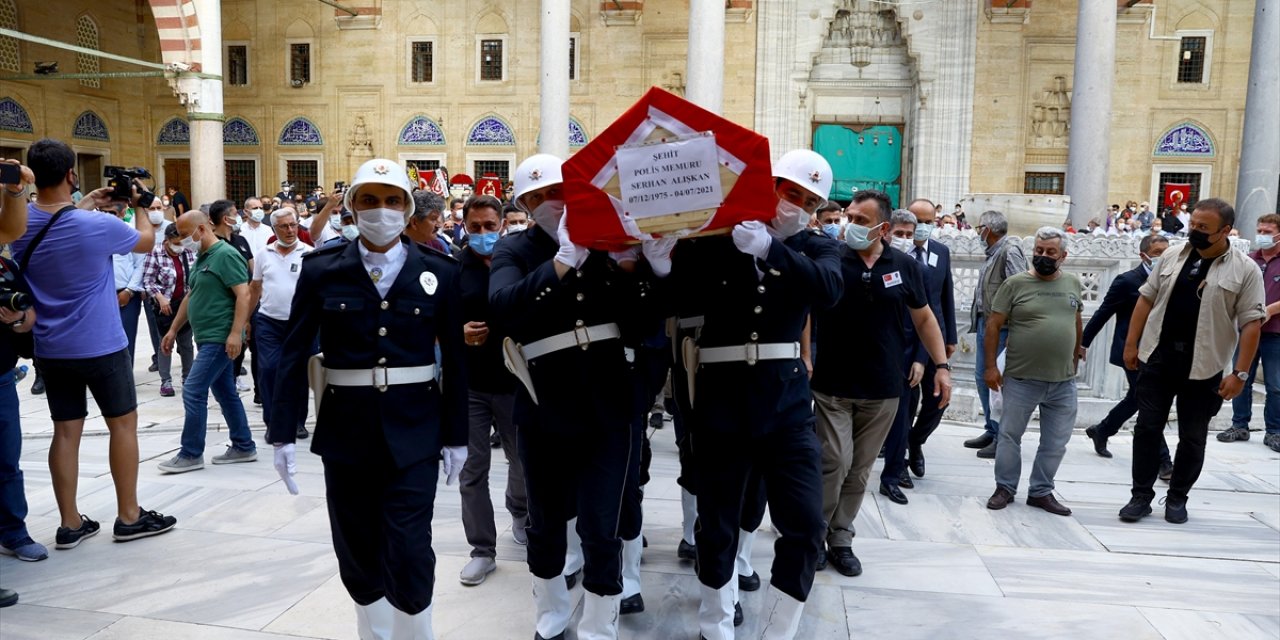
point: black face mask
(1044, 265)
(1199, 240)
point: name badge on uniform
(429, 282)
(933, 259)
(892, 279)
(293, 267)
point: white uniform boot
(552, 605)
(573, 559)
(747, 578)
(715, 612)
(599, 617)
(632, 602)
(781, 616)
(412, 626)
(374, 621)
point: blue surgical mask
(858, 236)
(350, 232)
(924, 231)
(1155, 264)
(482, 243)
(335, 221)
(1265, 242)
(832, 230)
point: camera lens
(14, 300)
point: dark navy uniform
(576, 441)
(380, 445)
(756, 417)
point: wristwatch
(945, 365)
(1243, 375)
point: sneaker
(655, 420)
(149, 523)
(302, 433)
(686, 551)
(153, 368)
(8, 598)
(1233, 434)
(37, 387)
(234, 455)
(69, 538)
(476, 571)
(519, 533)
(1175, 509)
(1137, 509)
(1272, 440)
(241, 385)
(988, 452)
(26, 550)
(181, 464)
(166, 390)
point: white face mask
(381, 226)
(516, 228)
(257, 215)
(156, 217)
(1265, 242)
(547, 215)
(286, 245)
(235, 226)
(790, 220)
(904, 245)
(190, 244)
(350, 231)
(335, 221)
(176, 248)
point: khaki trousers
(851, 433)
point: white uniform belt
(379, 377)
(694, 322)
(750, 353)
(579, 337)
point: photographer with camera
(16, 318)
(79, 341)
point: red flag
(595, 215)
(439, 184)
(1176, 194)
(490, 185)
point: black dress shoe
(644, 542)
(37, 387)
(737, 614)
(686, 551)
(632, 604)
(1048, 503)
(655, 421)
(749, 583)
(822, 561)
(570, 581)
(843, 560)
(916, 465)
(302, 433)
(893, 492)
(1166, 471)
(988, 452)
(257, 398)
(1099, 442)
(153, 368)
(8, 598)
(905, 480)
(1000, 499)
(980, 441)
(558, 636)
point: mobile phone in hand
(10, 173)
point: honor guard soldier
(749, 391)
(565, 310)
(384, 422)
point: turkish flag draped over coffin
(666, 166)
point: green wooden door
(867, 159)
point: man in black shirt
(859, 375)
(178, 201)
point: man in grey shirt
(1004, 259)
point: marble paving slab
(914, 566)
(31, 622)
(1206, 534)
(255, 514)
(967, 520)
(1200, 499)
(1146, 581)
(1198, 625)
(137, 628)
(876, 613)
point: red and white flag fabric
(1176, 194)
(597, 215)
(490, 185)
(439, 183)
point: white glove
(752, 238)
(453, 458)
(658, 253)
(630, 254)
(286, 463)
(570, 254)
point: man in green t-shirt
(1041, 308)
(218, 308)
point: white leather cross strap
(692, 322)
(750, 353)
(380, 377)
(580, 337)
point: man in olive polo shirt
(218, 308)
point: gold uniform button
(758, 310)
(382, 331)
(384, 305)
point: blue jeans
(980, 367)
(1057, 402)
(129, 320)
(13, 501)
(269, 334)
(1242, 407)
(212, 371)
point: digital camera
(121, 180)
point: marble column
(940, 126)
(553, 69)
(1259, 178)
(778, 109)
(704, 85)
(1089, 152)
(208, 171)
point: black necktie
(920, 256)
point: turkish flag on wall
(1176, 194)
(595, 213)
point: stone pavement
(248, 561)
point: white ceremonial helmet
(807, 169)
(380, 171)
(537, 171)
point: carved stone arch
(299, 28)
(491, 130)
(1198, 18)
(421, 24)
(493, 20)
(178, 27)
(236, 30)
(1186, 138)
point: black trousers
(930, 414)
(895, 443)
(1125, 409)
(380, 518)
(576, 471)
(1198, 401)
(788, 464)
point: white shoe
(241, 385)
(781, 616)
(631, 552)
(688, 514)
(743, 562)
(599, 617)
(374, 621)
(412, 627)
(573, 559)
(715, 611)
(552, 606)
(476, 571)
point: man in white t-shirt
(256, 229)
(275, 276)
